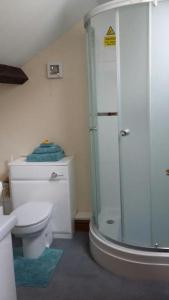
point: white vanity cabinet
(48, 181)
(7, 276)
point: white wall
(30, 26)
(49, 108)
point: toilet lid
(32, 213)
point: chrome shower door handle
(124, 132)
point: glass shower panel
(106, 79)
(109, 214)
(160, 125)
(134, 121)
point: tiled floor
(78, 277)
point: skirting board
(82, 221)
(83, 215)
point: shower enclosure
(128, 62)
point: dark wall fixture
(12, 75)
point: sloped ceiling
(28, 26)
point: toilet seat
(31, 230)
(32, 217)
(32, 213)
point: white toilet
(42, 199)
(34, 227)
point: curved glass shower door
(134, 117)
(160, 126)
(119, 102)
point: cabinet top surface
(22, 161)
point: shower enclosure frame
(119, 257)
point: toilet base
(34, 245)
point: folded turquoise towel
(45, 157)
(48, 149)
(46, 145)
(46, 152)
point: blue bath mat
(35, 272)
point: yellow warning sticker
(110, 37)
(110, 31)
